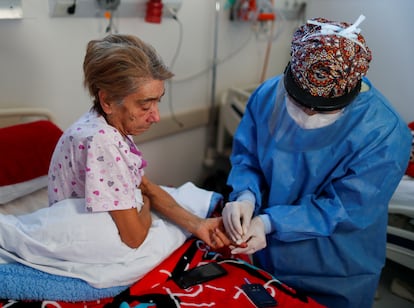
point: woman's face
(138, 110)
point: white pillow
(14, 191)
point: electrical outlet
(171, 7)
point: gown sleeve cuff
(246, 195)
(267, 224)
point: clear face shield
(294, 130)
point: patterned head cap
(328, 62)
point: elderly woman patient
(96, 158)
(104, 210)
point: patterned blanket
(158, 289)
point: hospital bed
(400, 230)
(27, 138)
(232, 107)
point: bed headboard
(12, 116)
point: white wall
(388, 30)
(41, 64)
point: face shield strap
(313, 102)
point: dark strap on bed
(252, 270)
(255, 272)
(161, 300)
(185, 259)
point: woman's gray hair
(119, 64)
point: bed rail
(12, 116)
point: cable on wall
(218, 61)
(71, 9)
(174, 59)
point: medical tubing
(211, 129)
(267, 54)
(174, 59)
(226, 58)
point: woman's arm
(133, 225)
(210, 230)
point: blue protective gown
(326, 191)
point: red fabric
(26, 150)
(410, 168)
(223, 292)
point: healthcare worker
(315, 161)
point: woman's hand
(211, 231)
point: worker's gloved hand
(236, 218)
(255, 238)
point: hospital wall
(388, 30)
(41, 66)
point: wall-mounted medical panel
(94, 8)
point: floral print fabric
(92, 160)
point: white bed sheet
(66, 240)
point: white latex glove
(255, 238)
(236, 218)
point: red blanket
(157, 289)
